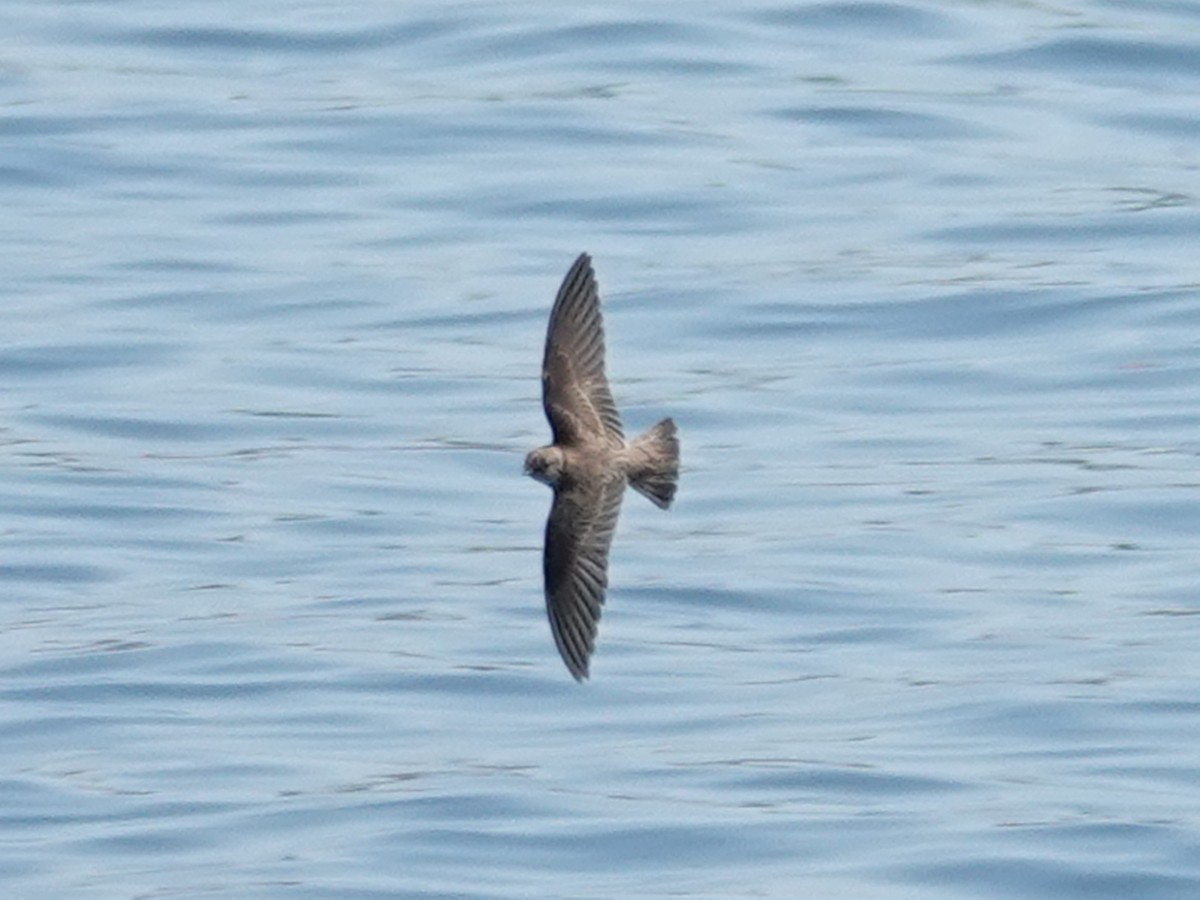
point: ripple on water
(918, 285)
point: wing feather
(579, 534)
(575, 390)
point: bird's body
(588, 465)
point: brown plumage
(588, 465)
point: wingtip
(579, 664)
(578, 668)
(581, 269)
(579, 281)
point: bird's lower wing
(579, 533)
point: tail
(654, 463)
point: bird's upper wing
(578, 535)
(575, 392)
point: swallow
(588, 465)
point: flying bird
(588, 465)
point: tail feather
(654, 463)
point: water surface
(917, 281)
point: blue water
(918, 281)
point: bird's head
(545, 464)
